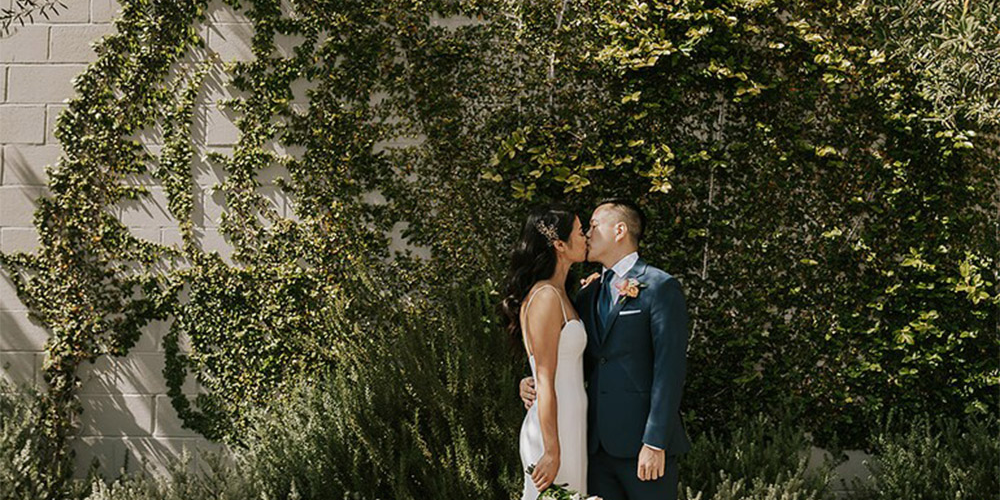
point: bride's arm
(544, 320)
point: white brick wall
(126, 409)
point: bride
(540, 315)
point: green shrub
(29, 467)
(216, 479)
(427, 408)
(936, 459)
(794, 486)
(755, 457)
(424, 405)
(314, 444)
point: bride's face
(575, 250)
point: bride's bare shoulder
(543, 301)
(537, 287)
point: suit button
(604, 361)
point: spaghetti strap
(561, 306)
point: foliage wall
(835, 232)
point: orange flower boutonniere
(629, 288)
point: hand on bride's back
(528, 391)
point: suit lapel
(637, 270)
(590, 313)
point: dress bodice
(572, 342)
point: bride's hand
(545, 471)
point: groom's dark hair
(631, 213)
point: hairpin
(548, 231)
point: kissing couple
(607, 366)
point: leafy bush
(754, 457)
(935, 459)
(424, 405)
(790, 486)
(30, 463)
(311, 445)
(425, 408)
(214, 479)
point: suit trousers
(615, 478)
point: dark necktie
(604, 298)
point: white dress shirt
(620, 268)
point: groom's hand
(528, 391)
(651, 463)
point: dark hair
(633, 215)
(531, 260)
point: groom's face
(588, 234)
(601, 234)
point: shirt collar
(623, 265)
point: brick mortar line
(153, 395)
(45, 126)
(119, 437)
(48, 64)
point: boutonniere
(629, 288)
(586, 281)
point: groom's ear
(621, 231)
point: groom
(634, 364)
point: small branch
(552, 57)
(717, 138)
(26, 9)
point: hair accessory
(548, 231)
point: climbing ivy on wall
(83, 282)
(832, 223)
(836, 244)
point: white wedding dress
(571, 412)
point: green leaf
(634, 96)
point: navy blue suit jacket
(634, 367)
